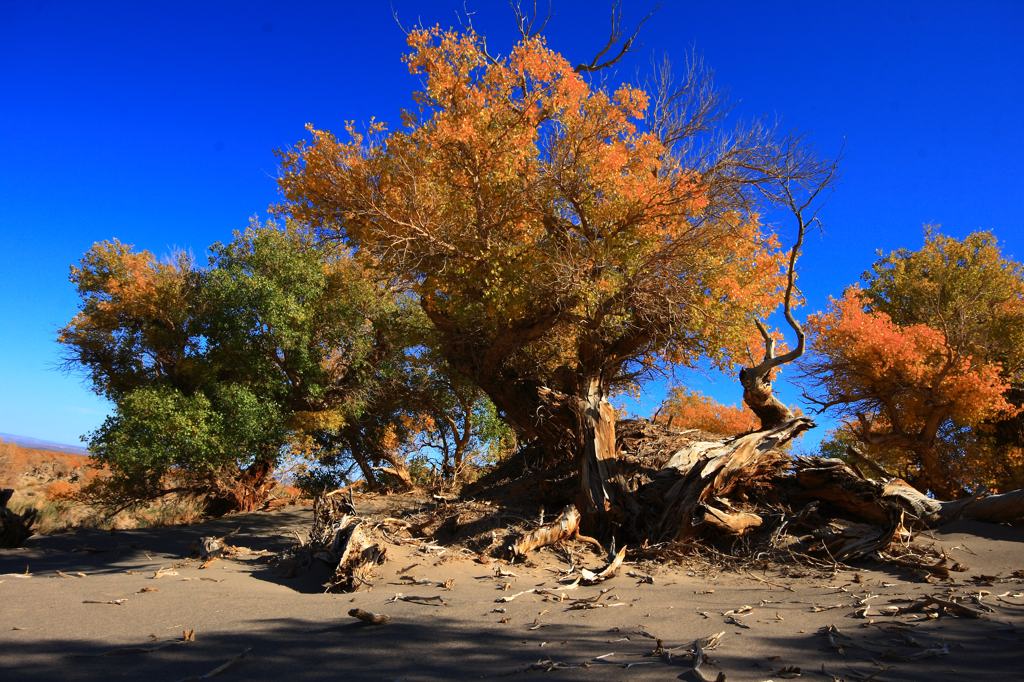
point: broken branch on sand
(565, 527)
(609, 571)
(369, 616)
(220, 668)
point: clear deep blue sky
(156, 123)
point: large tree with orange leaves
(921, 360)
(562, 237)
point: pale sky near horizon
(156, 124)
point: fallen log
(565, 527)
(1003, 508)
(853, 496)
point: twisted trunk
(605, 496)
(759, 397)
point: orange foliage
(693, 410)
(903, 384)
(117, 285)
(521, 191)
(61, 490)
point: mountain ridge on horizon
(43, 444)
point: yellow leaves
(389, 440)
(316, 420)
(521, 188)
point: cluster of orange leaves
(693, 410)
(913, 364)
(911, 384)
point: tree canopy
(214, 370)
(920, 360)
(563, 237)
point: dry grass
(54, 483)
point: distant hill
(38, 444)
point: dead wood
(565, 527)
(853, 496)
(1004, 508)
(708, 471)
(732, 523)
(211, 548)
(14, 528)
(609, 571)
(369, 616)
(356, 555)
(339, 538)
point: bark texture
(759, 397)
(340, 539)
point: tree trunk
(398, 469)
(366, 470)
(758, 396)
(604, 491)
(581, 426)
(933, 476)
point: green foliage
(214, 371)
(965, 288)
(281, 346)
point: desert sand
(137, 604)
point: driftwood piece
(14, 528)
(732, 523)
(370, 617)
(609, 571)
(565, 527)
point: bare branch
(527, 22)
(615, 34)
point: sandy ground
(91, 608)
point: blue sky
(156, 123)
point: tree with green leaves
(214, 371)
